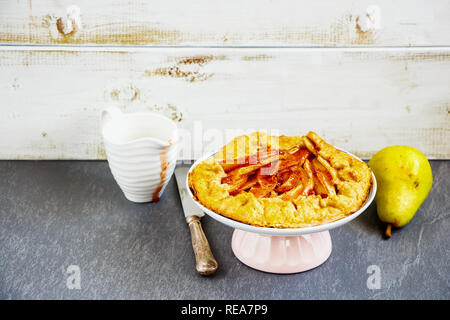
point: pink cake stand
(282, 250)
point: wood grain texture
(358, 99)
(227, 23)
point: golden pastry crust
(281, 182)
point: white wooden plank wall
(228, 22)
(220, 66)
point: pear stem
(388, 230)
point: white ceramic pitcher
(142, 151)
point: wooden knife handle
(205, 262)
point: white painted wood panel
(227, 22)
(358, 99)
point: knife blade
(205, 264)
(189, 207)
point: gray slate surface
(60, 213)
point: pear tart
(281, 182)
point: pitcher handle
(109, 114)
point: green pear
(404, 179)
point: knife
(205, 262)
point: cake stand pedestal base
(281, 254)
